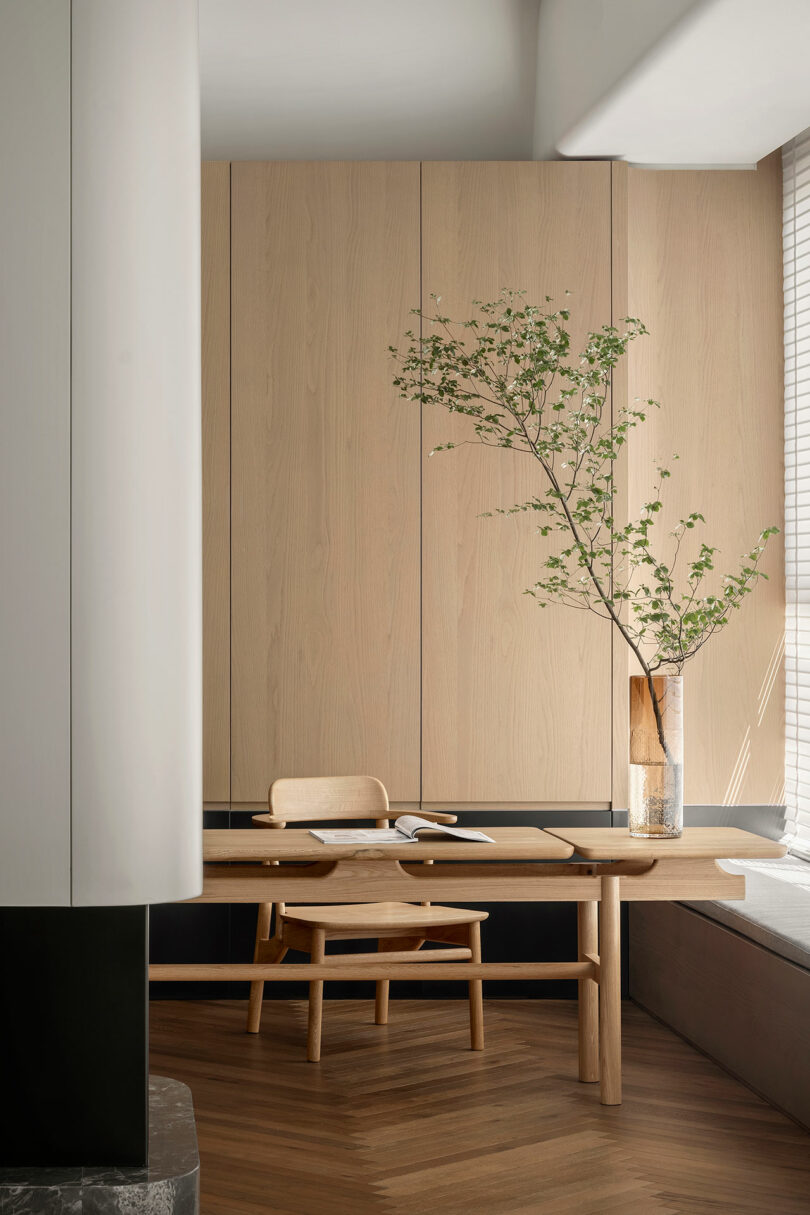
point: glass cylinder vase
(656, 757)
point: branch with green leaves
(511, 371)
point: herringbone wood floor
(405, 1120)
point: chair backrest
(328, 797)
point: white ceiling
(726, 85)
(585, 48)
(657, 82)
(368, 79)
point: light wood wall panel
(325, 476)
(516, 700)
(704, 273)
(216, 439)
(326, 676)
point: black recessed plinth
(73, 1036)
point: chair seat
(377, 917)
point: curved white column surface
(34, 453)
(100, 494)
(136, 662)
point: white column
(136, 656)
(34, 453)
(100, 495)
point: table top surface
(616, 844)
(511, 844)
(296, 844)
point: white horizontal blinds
(796, 245)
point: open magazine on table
(405, 831)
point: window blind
(796, 245)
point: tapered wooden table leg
(263, 923)
(317, 954)
(257, 986)
(610, 993)
(588, 935)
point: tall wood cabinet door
(516, 700)
(705, 274)
(216, 389)
(325, 476)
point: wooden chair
(400, 928)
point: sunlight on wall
(739, 770)
(767, 685)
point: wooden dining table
(597, 868)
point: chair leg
(381, 995)
(476, 992)
(384, 985)
(381, 1002)
(257, 988)
(317, 954)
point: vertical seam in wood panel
(795, 529)
(421, 522)
(230, 526)
(620, 382)
(613, 522)
(230, 488)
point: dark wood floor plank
(403, 1119)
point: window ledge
(776, 910)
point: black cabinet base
(73, 1036)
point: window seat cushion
(776, 910)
